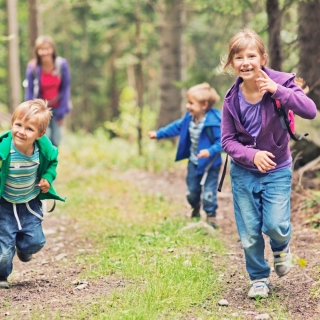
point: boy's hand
(44, 185)
(263, 162)
(152, 134)
(204, 154)
(265, 83)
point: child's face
(24, 133)
(248, 62)
(195, 108)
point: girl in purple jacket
(48, 78)
(251, 133)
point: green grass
(167, 273)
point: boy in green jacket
(28, 162)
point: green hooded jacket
(48, 158)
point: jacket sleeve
(64, 92)
(171, 130)
(292, 97)
(229, 140)
(28, 83)
(51, 171)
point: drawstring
(16, 216)
(29, 209)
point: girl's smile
(248, 62)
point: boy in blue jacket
(199, 132)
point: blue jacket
(181, 128)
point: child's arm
(169, 131)
(290, 95)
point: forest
(124, 244)
(148, 52)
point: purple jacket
(64, 91)
(239, 144)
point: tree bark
(309, 35)
(170, 60)
(13, 57)
(274, 28)
(33, 25)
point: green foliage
(125, 126)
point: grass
(167, 274)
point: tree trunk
(33, 25)
(139, 76)
(170, 60)
(13, 57)
(274, 28)
(309, 35)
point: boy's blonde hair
(39, 42)
(204, 93)
(37, 108)
(242, 40)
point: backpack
(287, 121)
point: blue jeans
(261, 205)
(209, 192)
(54, 131)
(30, 239)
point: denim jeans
(30, 239)
(261, 205)
(208, 195)
(54, 131)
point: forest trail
(51, 281)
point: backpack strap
(223, 174)
(210, 134)
(287, 121)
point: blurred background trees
(158, 48)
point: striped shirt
(22, 185)
(194, 132)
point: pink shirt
(49, 84)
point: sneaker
(212, 221)
(282, 262)
(23, 257)
(4, 283)
(259, 288)
(195, 213)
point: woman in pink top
(48, 78)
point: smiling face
(24, 133)
(196, 108)
(248, 62)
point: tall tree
(33, 24)
(170, 59)
(274, 28)
(13, 56)
(309, 35)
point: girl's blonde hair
(37, 108)
(242, 40)
(39, 42)
(204, 93)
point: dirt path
(51, 280)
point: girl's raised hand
(263, 162)
(265, 83)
